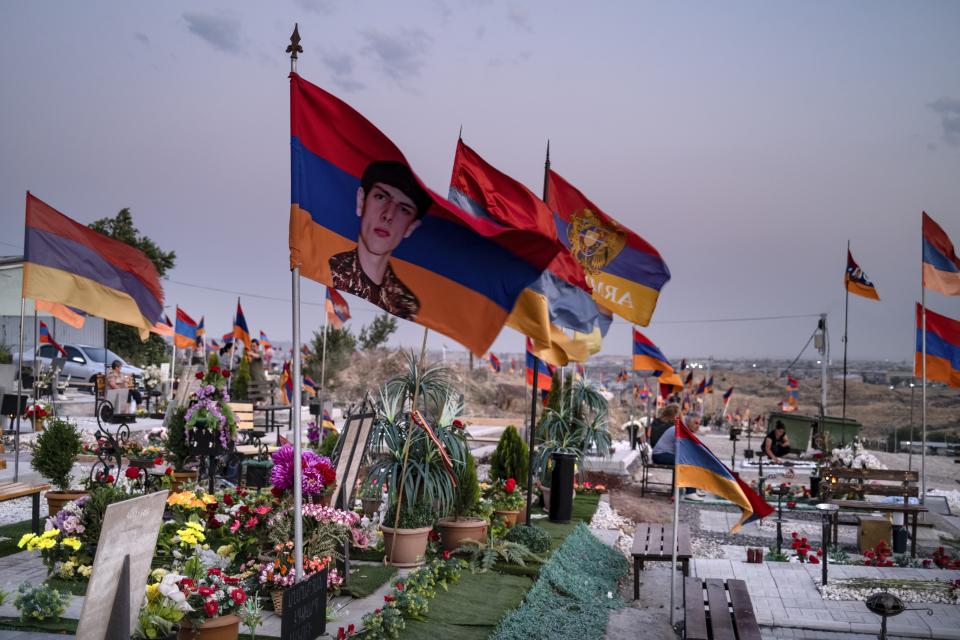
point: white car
(82, 361)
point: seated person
(116, 380)
(776, 443)
(661, 423)
(665, 452)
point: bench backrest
(260, 391)
(842, 481)
(243, 412)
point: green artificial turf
(13, 532)
(60, 626)
(365, 579)
(471, 609)
(370, 555)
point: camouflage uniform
(393, 296)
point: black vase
(561, 487)
(814, 486)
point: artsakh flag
(453, 272)
(338, 311)
(625, 271)
(856, 280)
(46, 338)
(941, 266)
(68, 263)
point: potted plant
(214, 597)
(466, 523)
(40, 604)
(278, 574)
(55, 452)
(37, 413)
(507, 501)
(420, 455)
(511, 459)
(318, 480)
(371, 497)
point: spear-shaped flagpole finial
(460, 135)
(294, 48)
(548, 153)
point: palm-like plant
(426, 478)
(574, 421)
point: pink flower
(234, 526)
(252, 522)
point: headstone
(305, 609)
(127, 542)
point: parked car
(82, 361)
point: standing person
(776, 443)
(660, 424)
(665, 452)
(257, 374)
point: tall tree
(123, 339)
(341, 344)
(378, 332)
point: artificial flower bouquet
(506, 496)
(209, 406)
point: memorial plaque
(305, 609)
(130, 530)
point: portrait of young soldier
(390, 204)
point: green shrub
(420, 515)
(176, 445)
(534, 538)
(213, 360)
(240, 382)
(328, 444)
(468, 489)
(40, 603)
(55, 452)
(572, 598)
(511, 458)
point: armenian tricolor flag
(943, 348)
(625, 271)
(941, 266)
(647, 356)
(200, 328)
(793, 386)
(338, 311)
(310, 386)
(856, 280)
(73, 317)
(240, 330)
(726, 396)
(163, 327)
(286, 382)
(701, 388)
(709, 386)
(46, 338)
(688, 381)
(697, 467)
(544, 370)
(68, 263)
(264, 340)
(494, 362)
(453, 272)
(227, 338)
(213, 345)
(185, 333)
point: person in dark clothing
(776, 444)
(660, 424)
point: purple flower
(318, 471)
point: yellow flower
(195, 525)
(85, 570)
(73, 543)
(225, 550)
(153, 592)
(208, 499)
(25, 539)
(50, 533)
(45, 543)
(158, 574)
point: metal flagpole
(233, 344)
(846, 311)
(36, 355)
(923, 370)
(530, 436)
(823, 363)
(16, 435)
(673, 556)
(323, 369)
(173, 366)
(293, 49)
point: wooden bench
(654, 542)
(646, 465)
(715, 609)
(14, 490)
(909, 511)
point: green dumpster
(799, 428)
(804, 431)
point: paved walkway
(785, 597)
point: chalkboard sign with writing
(305, 609)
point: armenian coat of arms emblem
(594, 242)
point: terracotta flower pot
(453, 532)
(56, 499)
(180, 478)
(509, 517)
(219, 628)
(411, 545)
(370, 506)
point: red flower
(277, 492)
(215, 369)
(399, 586)
(210, 607)
(251, 523)
(926, 564)
(793, 534)
(239, 596)
(388, 598)
(813, 560)
(206, 592)
(446, 555)
(225, 373)
(351, 629)
(231, 580)
(228, 499)
(341, 634)
(187, 585)
(458, 423)
(199, 376)
(377, 611)
(132, 472)
(168, 471)
(158, 461)
(214, 571)
(110, 478)
(791, 504)
(509, 485)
